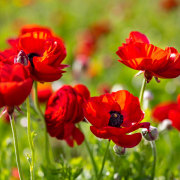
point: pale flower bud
(117, 87)
(151, 134)
(21, 58)
(119, 150)
(148, 95)
(165, 124)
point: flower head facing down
(64, 110)
(44, 52)
(137, 53)
(15, 84)
(168, 110)
(115, 115)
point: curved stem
(103, 162)
(16, 146)
(30, 139)
(153, 146)
(38, 109)
(90, 154)
(142, 91)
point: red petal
(82, 90)
(161, 111)
(128, 141)
(101, 133)
(174, 116)
(130, 107)
(136, 36)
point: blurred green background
(68, 18)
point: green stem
(103, 162)
(30, 140)
(142, 91)
(153, 146)
(16, 146)
(36, 102)
(38, 109)
(90, 154)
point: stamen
(116, 119)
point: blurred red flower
(15, 84)
(44, 51)
(115, 115)
(169, 4)
(138, 54)
(87, 44)
(168, 110)
(15, 174)
(44, 92)
(64, 110)
(87, 41)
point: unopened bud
(148, 95)
(117, 87)
(150, 134)
(165, 124)
(119, 150)
(21, 58)
(117, 176)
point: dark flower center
(30, 56)
(116, 119)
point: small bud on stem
(150, 134)
(21, 58)
(119, 150)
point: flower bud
(117, 87)
(150, 134)
(165, 124)
(148, 95)
(21, 58)
(117, 176)
(119, 150)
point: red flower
(15, 84)
(44, 50)
(168, 110)
(44, 92)
(88, 41)
(138, 54)
(169, 4)
(64, 110)
(115, 115)
(15, 173)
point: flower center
(30, 56)
(116, 119)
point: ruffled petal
(138, 37)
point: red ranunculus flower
(115, 115)
(64, 110)
(138, 54)
(15, 84)
(168, 110)
(44, 50)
